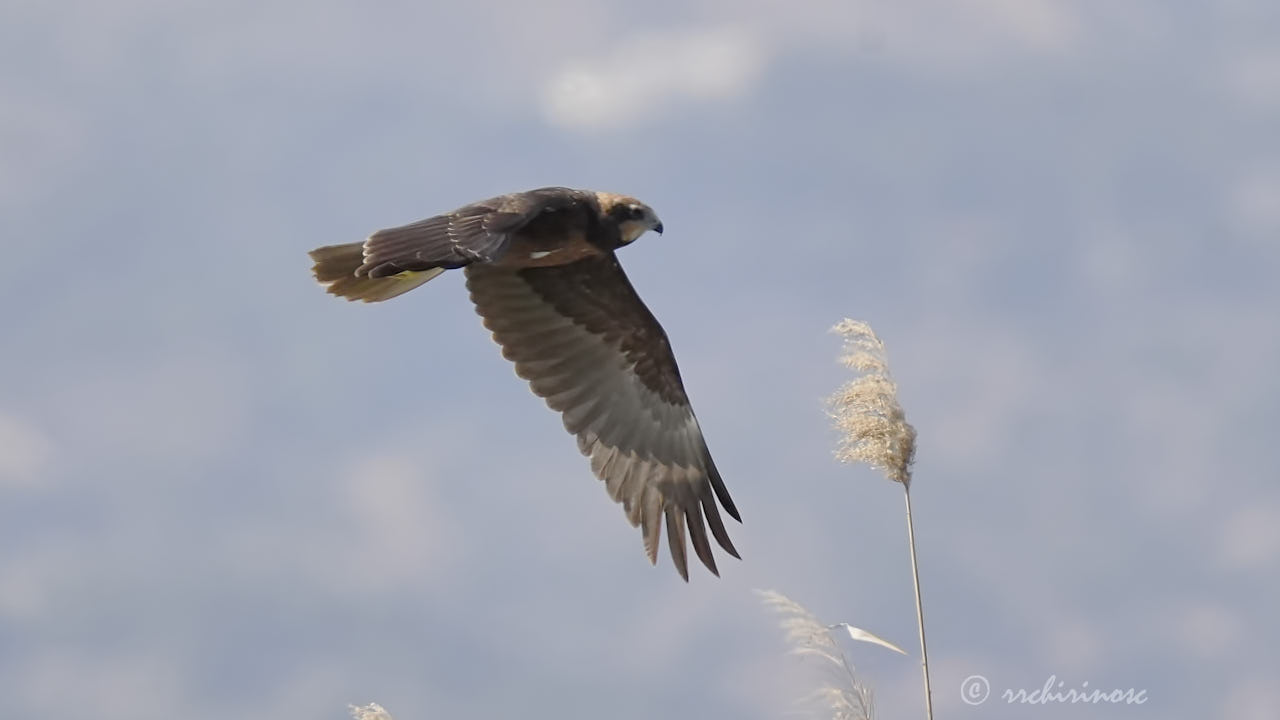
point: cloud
(1073, 644)
(1254, 203)
(979, 401)
(948, 36)
(134, 684)
(1250, 538)
(1253, 77)
(933, 33)
(1254, 697)
(29, 578)
(38, 137)
(400, 531)
(650, 73)
(24, 452)
(603, 74)
(1208, 631)
(188, 404)
(377, 526)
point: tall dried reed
(874, 430)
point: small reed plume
(841, 692)
(372, 711)
(874, 430)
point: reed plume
(874, 430)
(372, 711)
(841, 692)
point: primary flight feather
(542, 271)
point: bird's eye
(635, 212)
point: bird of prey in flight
(543, 274)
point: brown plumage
(543, 274)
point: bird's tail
(336, 268)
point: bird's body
(543, 274)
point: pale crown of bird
(634, 218)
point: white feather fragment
(860, 634)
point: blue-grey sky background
(225, 494)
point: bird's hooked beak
(657, 227)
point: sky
(226, 494)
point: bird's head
(632, 217)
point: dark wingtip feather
(717, 525)
(722, 492)
(698, 530)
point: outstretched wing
(478, 232)
(586, 343)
